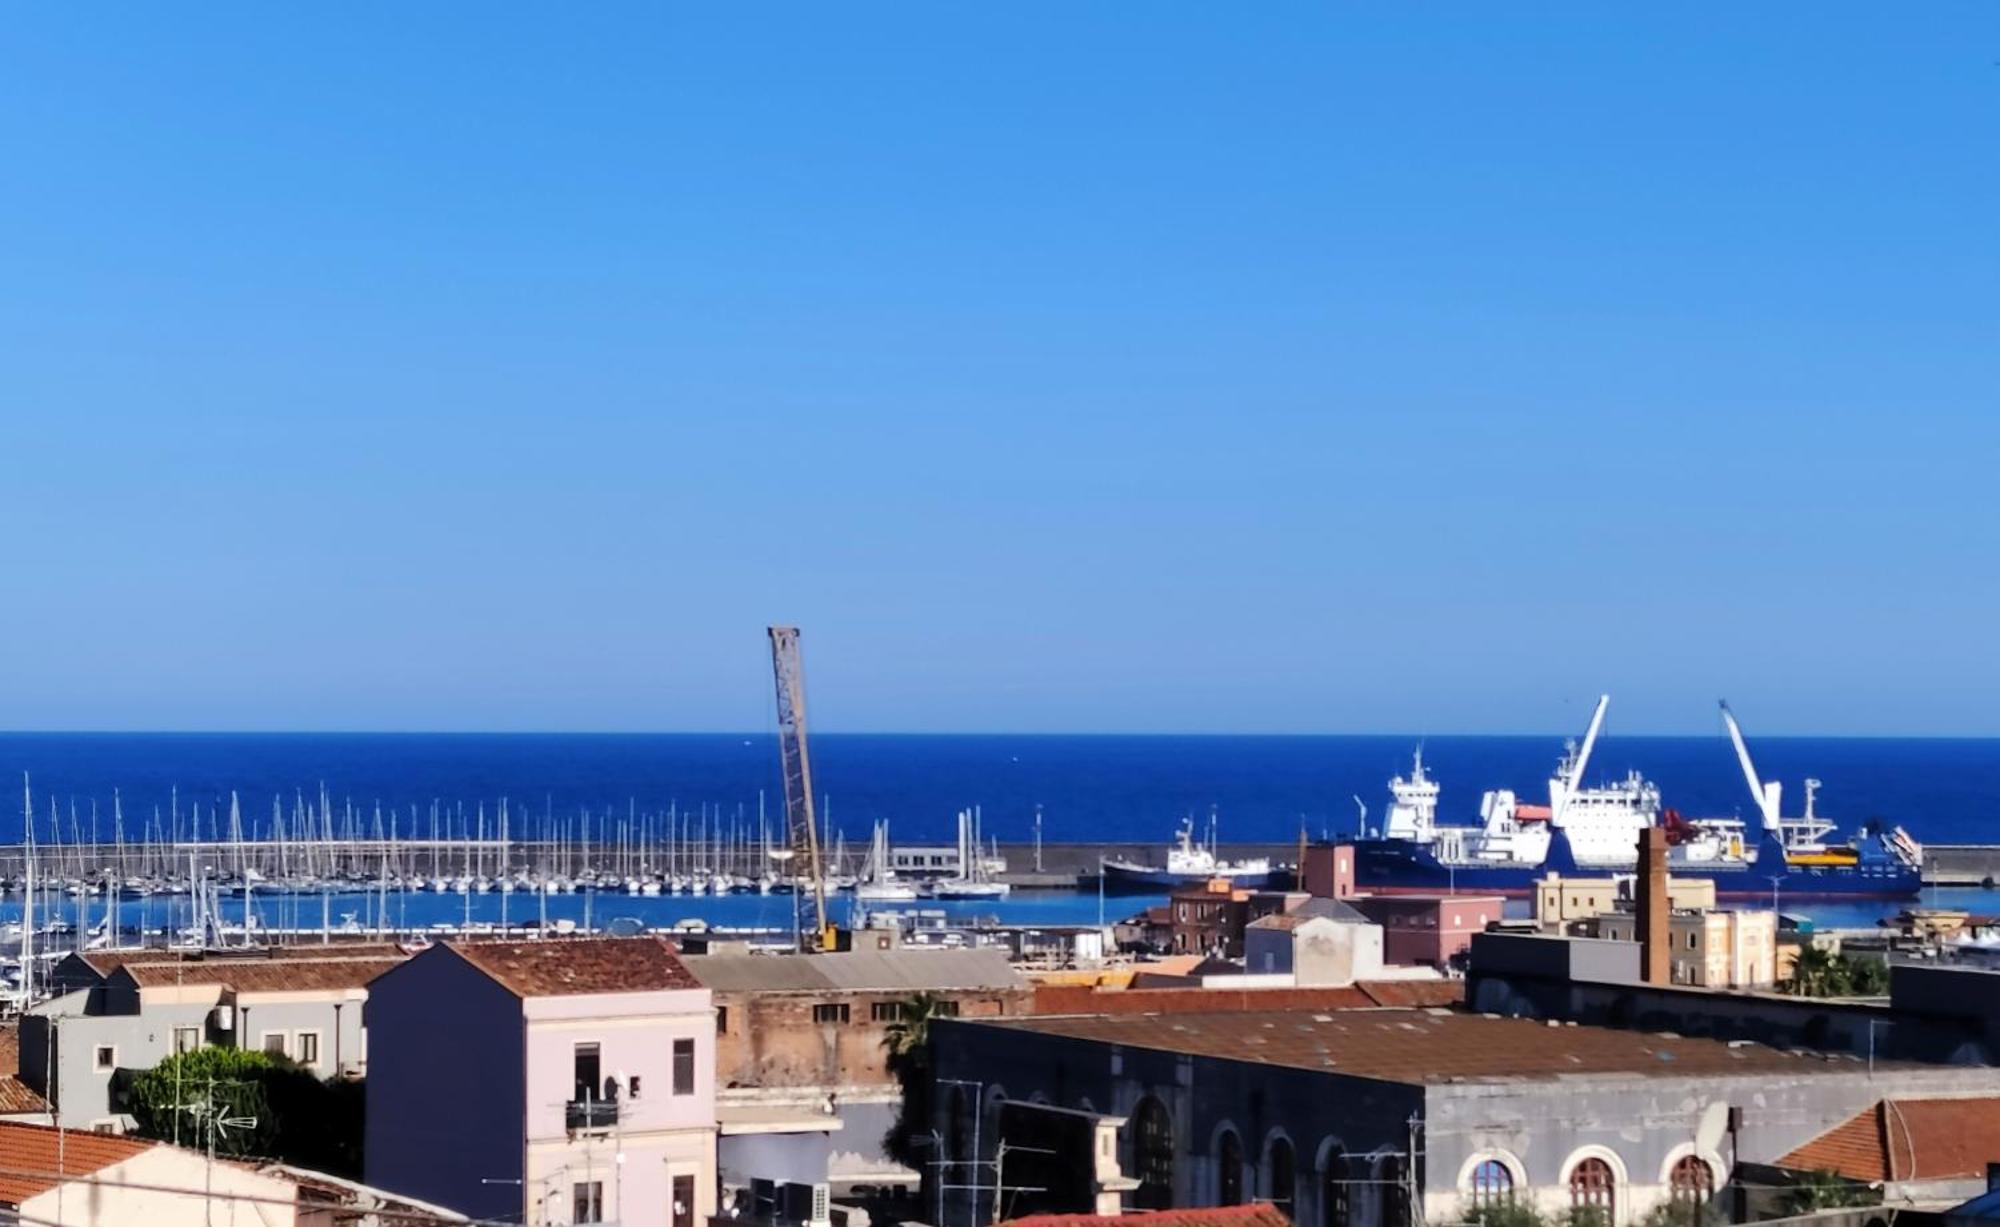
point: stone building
(1389, 1117)
(804, 1091)
(1712, 948)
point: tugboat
(1187, 863)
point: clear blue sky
(1058, 367)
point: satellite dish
(1708, 1134)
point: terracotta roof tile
(17, 1098)
(1907, 1139)
(560, 967)
(270, 975)
(1419, 1047)
(40, 1148)
(1256, 1214)
(10, 1048)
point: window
(683, 1067)
(1492, 1184)
(722, 1020)
(1284, 1176)
(309, 1048)
(886, 1011)
(683, 1201)
(587, 1201)
(105, 1058)
(945, 1009)
(276, 1044)
(1691, 941)
(1692, 1182)
(1592, 1184)
(1153, 1156)
(1229, 1179)
(632, 1087)
(186, 1039)
(588, 1080)
(1333, 1190)
(108, 1125)
(830, 1012)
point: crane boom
(1767, 795)
(788, 671)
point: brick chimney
(1655, 909)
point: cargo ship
(1593, 831)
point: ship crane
(789, 673)
(1577, 761)
(1766, 793)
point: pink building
(548, 1082)
(1429, 930)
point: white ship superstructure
(1602, 822)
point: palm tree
(908, 1043)
(906, 1037)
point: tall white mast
(28, 915)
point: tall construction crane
(807, 871)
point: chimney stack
(1655, 908)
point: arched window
(1591, 1183)
(1153, 1156)
(1284, 1176)
(1492, 1183)
(1333, 1190)
(1395, 1175)
(1692, 1182)
(960, 1126)
(1229, 1164)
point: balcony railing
(581, 1115)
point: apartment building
(561, 1081)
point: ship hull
(1396, 866)
(1123, 878)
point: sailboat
(878, 883)
(972, 881)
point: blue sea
(1097, 788)
(1087, 788)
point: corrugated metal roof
(856, 971)
(1418, 1047)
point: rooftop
(1907, 1139)
(264, 975)
(857, 971)
(1419, 1046)
(42, 1149)
(17, 1098)
(565, 967)
(1256, 1214)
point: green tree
(1506, 1212)
(255, 1104)
(908, 1041)
(1867, 977)
(1822, 1190)
(1819, 973)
